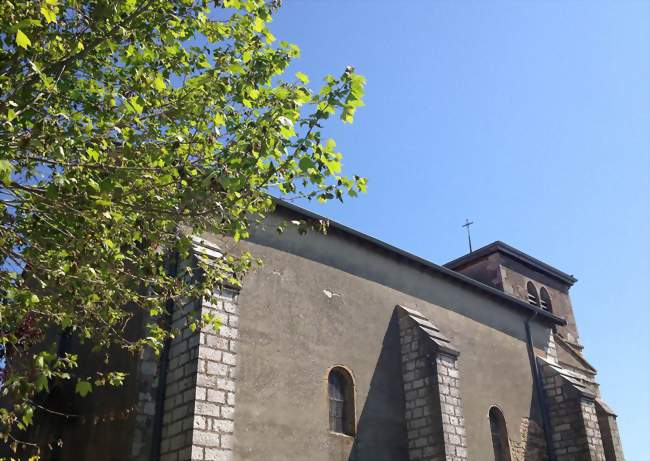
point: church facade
(343, 348)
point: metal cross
(469, 236)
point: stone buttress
(434, 411)
(571, 406)
(199, 404)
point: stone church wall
(325, 300)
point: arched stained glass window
(340, 390)
(500, 442)
(533, 297)
(545, 300)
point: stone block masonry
(214, 410)
(434, 417)
(609, 431)
(451, 408)
(532, 444)
(592, 431)
(198, 422)
(147, 376)
(572, 412)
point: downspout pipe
(539, 389)
(162, 375)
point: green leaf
(83, 387)
(94, 184)
(330, 145)
(5, 172)
(50, 15)
(183, 120)
(219, 119)
(258, 25)
(22, 40)
(129, 5)
(334, 167)
(306, 163)
(27, 416)
(159, 83)
(92, 154)
(302, 77)
(135, 104)
(235, 69)
(41, 383)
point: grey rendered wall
(321, 301)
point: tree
(126, 127)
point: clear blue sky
(532, 119)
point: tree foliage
(125, 127)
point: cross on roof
(469, 236)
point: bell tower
(523, 277)
(569, 379)
(535, 282)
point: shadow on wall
(381, 430)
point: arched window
(533, 298)
(545, 300)
(500, 442)
(340, 390)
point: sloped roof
(435, 268)
(573, 353)
(574, 380)
(436, 338)
(519, 255)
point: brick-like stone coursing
(434, 418)
(178, 411)
(609, 432)
(574, 423)
(198, 422)
(551, 349)
(148, 370)
(214, 411)
(451, 409)
(532, 445)
(592, 430)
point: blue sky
(532, 119)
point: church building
(344, 348)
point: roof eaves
(515, 253)
(456, 276)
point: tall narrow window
(340, 388)
(545, 300)
(500, 442)
(533, 297)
